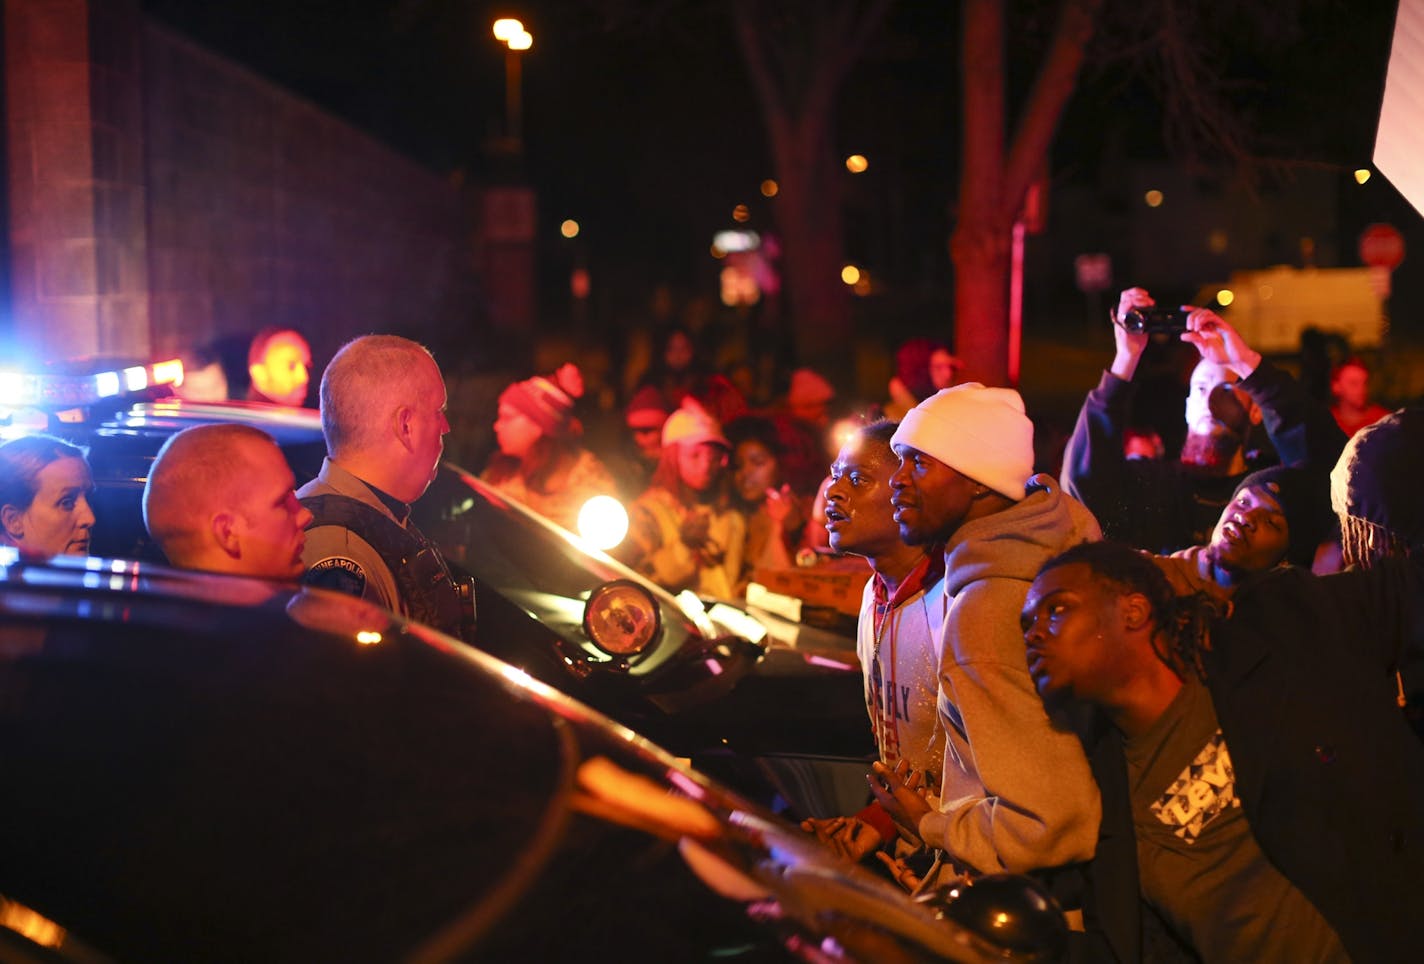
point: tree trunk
(993, 183)
(979, 245)
(981, 302)
(808, 215)
(797, 59)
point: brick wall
(75, 165)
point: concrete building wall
(264, 210)
(162, 197)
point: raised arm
(1095, 470)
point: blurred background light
(603, 522)
(507, 27)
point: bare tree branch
(1054, 85)
(744, 18)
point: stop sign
(1381, 246)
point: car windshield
(123, 444)
(521, 555)
(517, 553)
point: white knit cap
(979, 432)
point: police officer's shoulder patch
(341, 573)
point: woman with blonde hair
(44, 497)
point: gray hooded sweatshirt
(1017, 793)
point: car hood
(202, 767)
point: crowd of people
(1146, 686)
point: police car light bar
(167, 373)
(49, 390)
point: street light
(512, 34)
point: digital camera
(1155, 320)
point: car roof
(169, 415)
(235, 410)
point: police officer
(383, 415)
(219, 499)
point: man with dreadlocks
(1262, 795)
(1374, 490)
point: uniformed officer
(383, 415)
(219, 499)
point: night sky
(640, 123)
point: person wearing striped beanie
(541, 461)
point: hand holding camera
(1216, 341)
(1138, 318)
(1131, 341)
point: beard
(1210, 455)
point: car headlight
(603, 522)
(621, 618)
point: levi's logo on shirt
(1201, 792)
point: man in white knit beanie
(1016, 793)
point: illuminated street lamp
(512, 34)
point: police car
(213, 768)
(709, 681)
